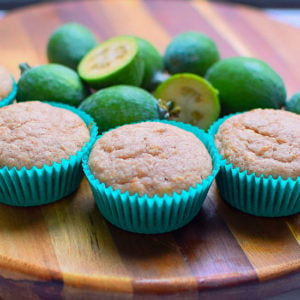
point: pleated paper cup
(38, 186)
(255, 194)
(150, 215)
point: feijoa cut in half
(189, 98)
(114, 61)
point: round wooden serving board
(67, 250)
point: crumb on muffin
(150, 158)
(6, 83)
(262, 141)
(35, 133)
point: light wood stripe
(83, 245)
(210, 14)
(293, 225)
(134, 18)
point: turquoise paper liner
(11, 97)
(38, 186)
(253, 194)
(142, 214)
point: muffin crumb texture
(262, 141)
(6, 83)
(150, 158)
(35, 133)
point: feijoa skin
(245, 83)
(121, 104)
(190, 52)
(68, 44)
(51, 82)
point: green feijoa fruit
(190, 52)
(293, 104)
(245, 83)
(69, 43)
(51, 82)
(121, 104)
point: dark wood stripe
(30, 289)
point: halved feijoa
(114, 61)
(190, 99)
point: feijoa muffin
(153, 176)
(41, 147)
(260, 161)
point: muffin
(8, 87)
(150, 158)
(151, 177)
(41, 144)
(37, 134)
(261, 161)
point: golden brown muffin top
(150, 158)
(35, 133)
(262, 141)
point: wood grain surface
(66, 250)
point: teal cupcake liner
(151, 215)
(254, 194)
(38, 186)
(11, 96)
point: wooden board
(67, 250)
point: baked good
(41, 150)
(150, 158)
(260, 167)
(36, 134)
(151, 177)
(6, 83)
(262, 141)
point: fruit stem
(162, 110)
(24, 67)
(173, 109)
(168, 109)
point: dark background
(10, 4)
